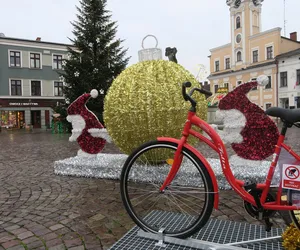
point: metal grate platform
(215, 231)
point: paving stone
(49, 236)
(35, 244)
(25, 235)
(7, 238)
(11, 228)
(59, 247)
(77, 248)
(55, 227)
(19, 231)
(73, 242)
(10, 243)
(20, 247)
(30, 240)
(42, 232)
(54, 242)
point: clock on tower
(237, 3)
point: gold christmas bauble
(145, 101)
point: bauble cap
(94, 93)
(262, 80)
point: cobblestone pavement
(40, 210)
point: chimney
(293, 36)
(38, 39)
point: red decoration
(87, 129)
(260, 133)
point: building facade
(29, 81)
(250, 53)
(289, 79)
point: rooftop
(290, 53)
(38, 41)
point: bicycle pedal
(249, 185)
(268, 224)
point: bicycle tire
(203, 215)
(294, 214)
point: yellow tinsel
(291, 238)
(145, 102)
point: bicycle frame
(217, 145)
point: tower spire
(284, 20)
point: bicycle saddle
(288, 115)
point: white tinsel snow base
(109, 166)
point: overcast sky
(193, 26)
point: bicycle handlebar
(202, 91)
(184, 86)
(188, 97)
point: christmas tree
(97, 56)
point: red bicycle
(168, 186)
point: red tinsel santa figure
(252, 134)
(87, 130)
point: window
(298, 77)
(35, 88)
(268, 105)
(58, 88)
(35, 60)
(238, 38)
(15, 59)
(15, 87)
(217, 65)
(239, 82)
(283, 79)
(269, 52)
(227, 63)
(57, 61)
(269, 85)
(226, 85)
(254, 79)
(216, 88)
(238, 22)
(255, 19)
(239, 56)
(255, 56)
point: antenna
(284, 21)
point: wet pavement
(41, 210)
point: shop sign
(23, 104)
(222, 90)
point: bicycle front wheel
(294, 199)
(183, 207)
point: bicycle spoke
(184, 204)
(157, 199)
(175, 203)
(193, 203)
(143, 199)
(140, 189)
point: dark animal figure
(171, 54)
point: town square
(150, 125)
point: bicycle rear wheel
(186, 204)
(294, 199)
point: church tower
(245, 20)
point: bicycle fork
(175, 165)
